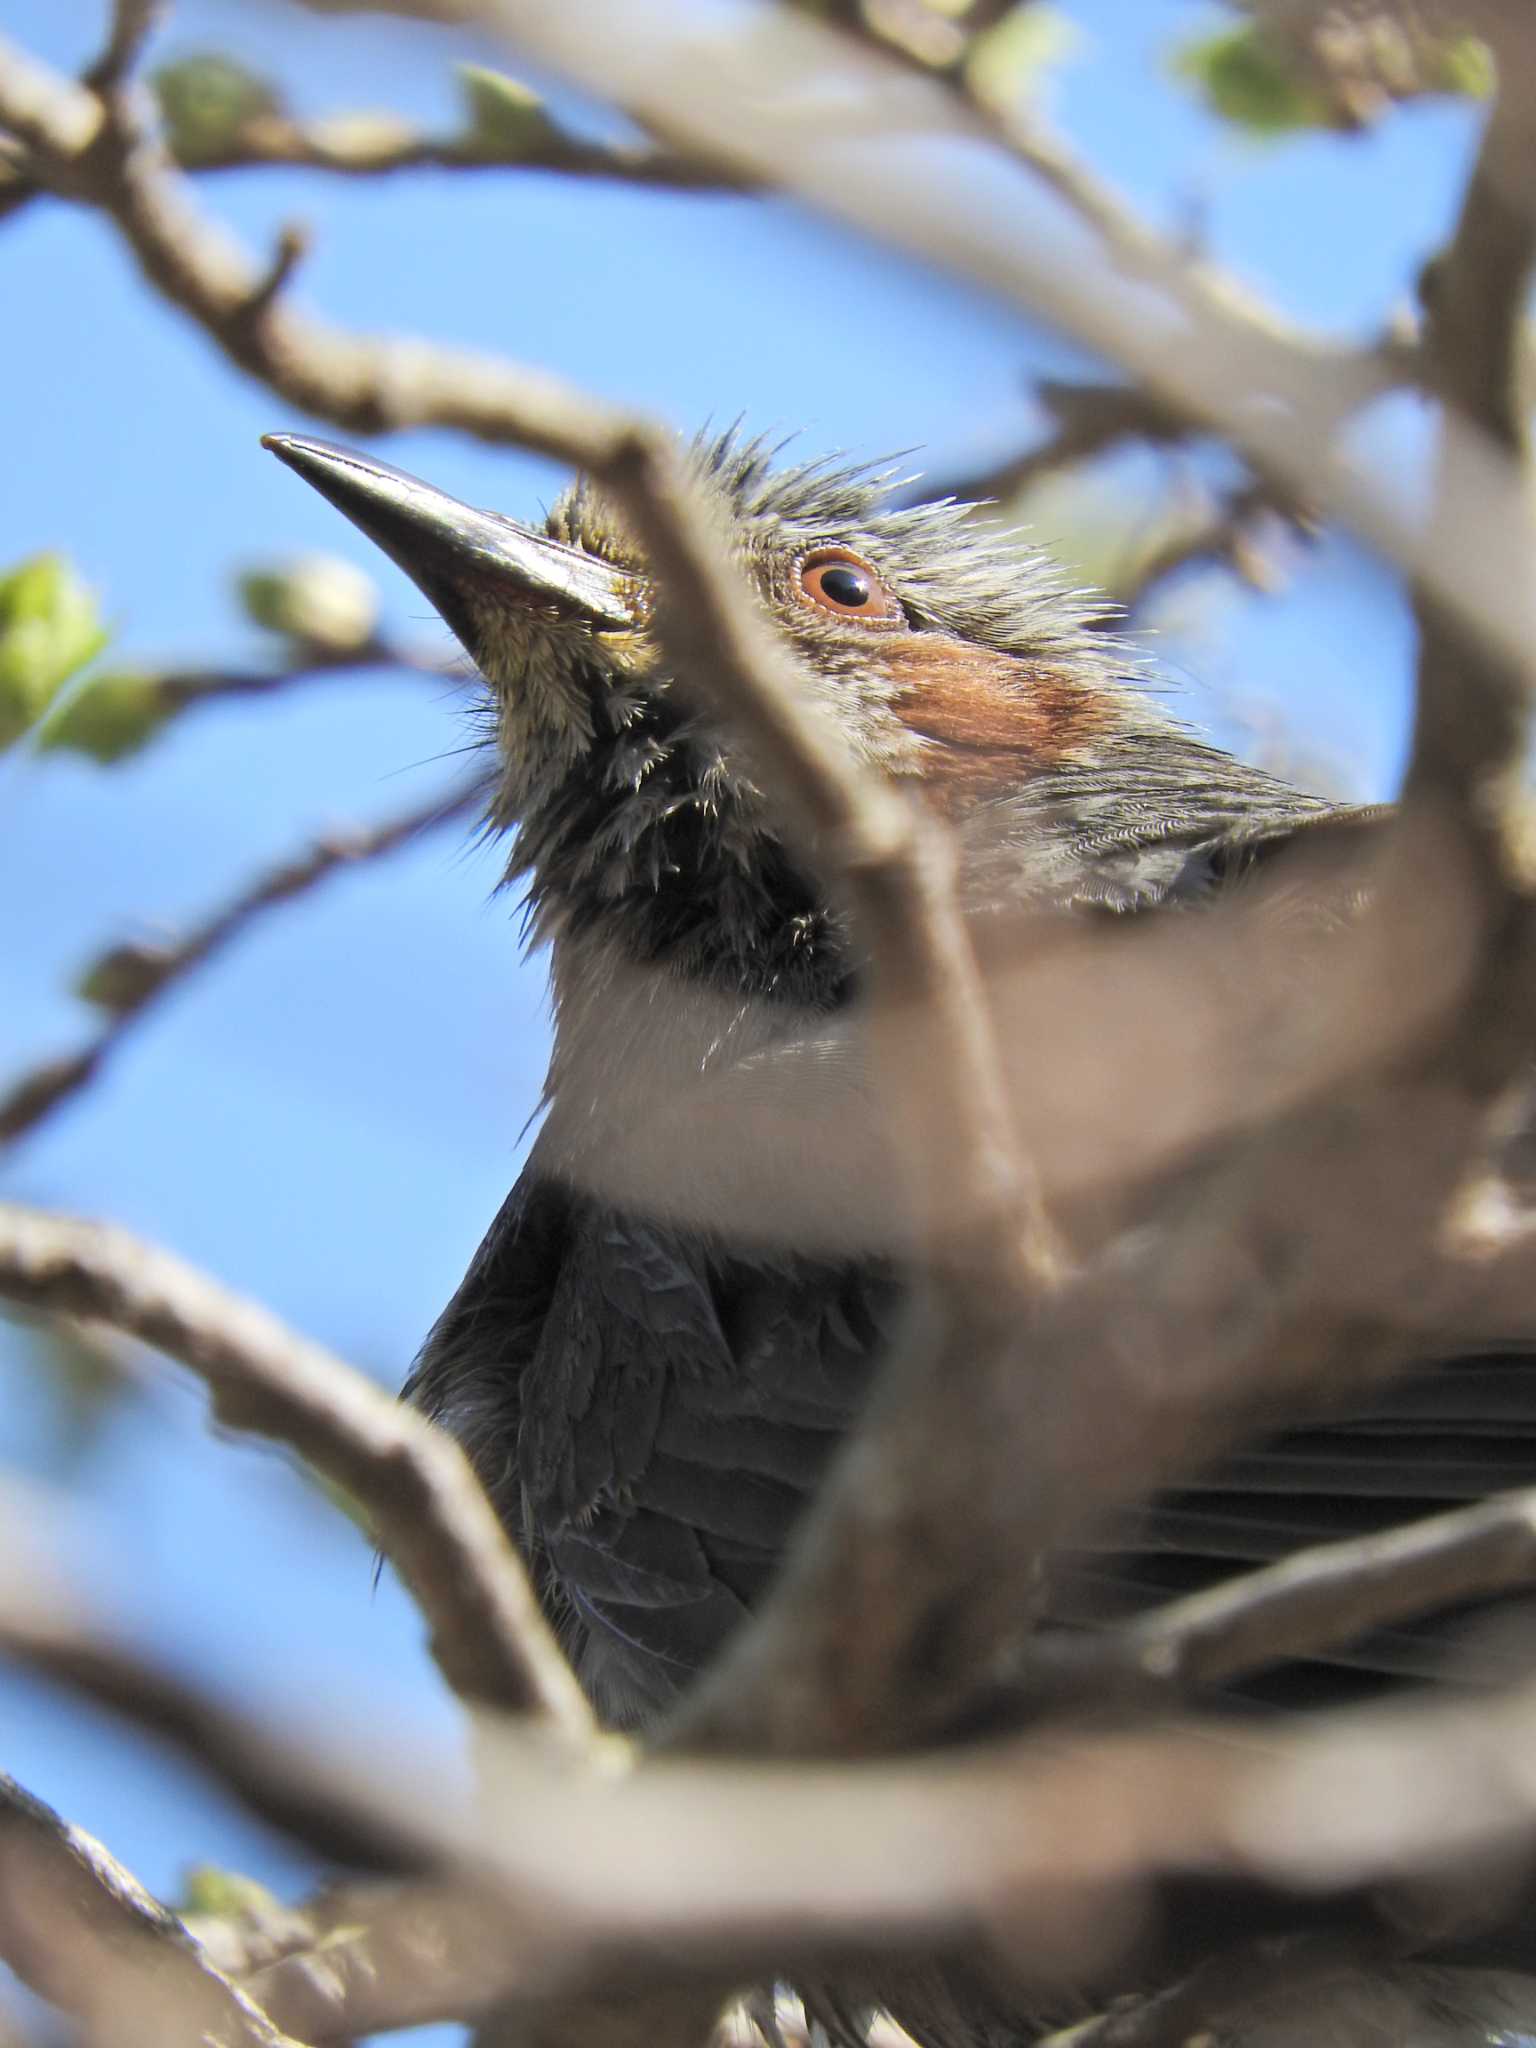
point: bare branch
(130, 979)
(84, 1934)
(178, 689)
(1087, 420)
(366, 146)
(291, 249)
(133, 21)
(414, 1483)
(1230, 533)
(1077, 1860)
(1317, 1600)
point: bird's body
(653, 1404)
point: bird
(649, 1387)
(676, 1316)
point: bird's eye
(840, 582)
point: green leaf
(205, 102)
(1244, 78)
(319, 601)
(111, 715)
(224, 1894)
(1012, 61)
(1466, 67)
(50, 627)
(504, 117)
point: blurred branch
(361, 145)
(1312, 1602)
(1270, 1290)
(179, 688)
(1081, 1859)
(368, 146)
(1230, 532)
(127, 980)
(412, 1480)
(84, 1934)
(1087, 420)
(132, 23)
(44, 1626)
(1474, 697)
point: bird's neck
(656, 857)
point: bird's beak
(464, 560)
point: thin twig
(426, 1507)
(177, 689)
(1087, 420)
(45, 1625)
(1317, 1600)
(130, 978)
(366, 146)
(1228, 533)
(105, 155)
(289, 252)
(133, 21)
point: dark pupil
(845, 585)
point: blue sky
(330, 1115)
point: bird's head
(951, 657)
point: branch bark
(424, 1503)
(132, 978)
(84, 1934)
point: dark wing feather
(651, 1416)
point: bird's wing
(671, 1413)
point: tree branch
(133, 21)
(129, 979)
(104, 155)
(424, 1503)
(366, 146)
(85, 1935)
(1086, 420)
(1313, 1602)
(1100, 1860)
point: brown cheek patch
(990, 719)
